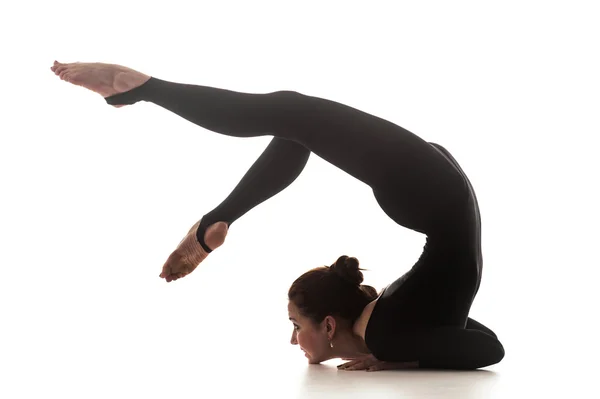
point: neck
(347, 345)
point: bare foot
(189, 252)
(104, 79)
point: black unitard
(422, 316)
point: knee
(290, 96)
(500, 353)
(289, 111)
(495, 355)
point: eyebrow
(291, 318)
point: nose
(294, 341)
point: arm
(441, 348)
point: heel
(201, 232)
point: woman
(421, 319)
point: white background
(94, 198)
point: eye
(296, 327)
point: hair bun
(369, 291)
(347, 268)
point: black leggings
(416, 183)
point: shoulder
(360, 326)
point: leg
(393, 161)
(475, 325)
(440, 288)
(451, 348)
(383, 155)
(278, 166)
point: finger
(363, 362)
(376, 366)
(360, 365)
(354, 362)
(347, 364)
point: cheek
(307, 341)
(300, 337)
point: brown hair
(332, 290)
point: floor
(95, 198)
(328, 383)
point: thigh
(466, 234)
(406, 173)
(446, 287)
(452, 255)
(427, 196)
(437, 291)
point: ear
(330, 326)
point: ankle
(129, 80)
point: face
(312, 338)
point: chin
(311, 360)
(316, 360)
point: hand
(370, 363)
